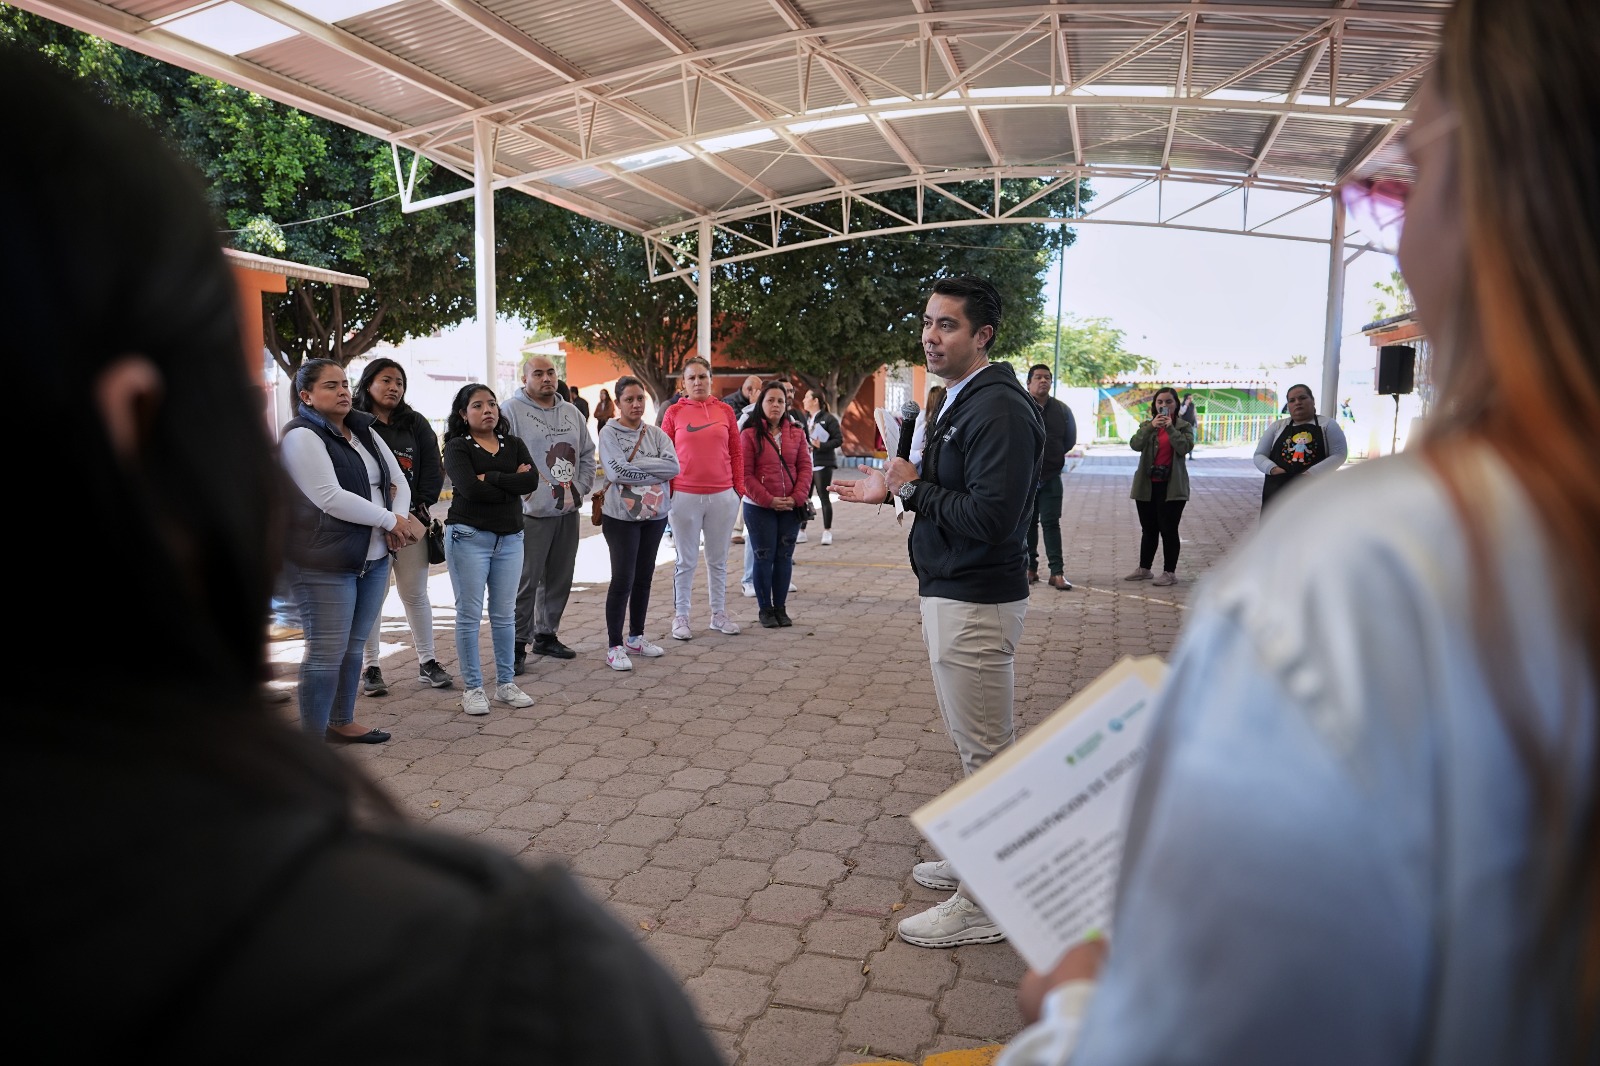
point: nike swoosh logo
(697, 429)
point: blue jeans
(477, 560)
(338, 608)
(772, 533)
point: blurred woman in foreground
(206, 881)
(1367, 832)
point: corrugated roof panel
(321, 67)
(1125, 136)
(944, 141)
(713, 23)
(858, 151)
(791, 173)
(595, 37)
(150, 10)
(694, 180)
(1029, 136)
(840, 12)
(1310, 148)
(436, 40)
(780, 83)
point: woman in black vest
(352, 509)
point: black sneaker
(783, 616)
(519, 661)
(552, 647)
(769, 618)
(372, 682)
(434, 674)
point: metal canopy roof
(659, 115)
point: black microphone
(908, 428)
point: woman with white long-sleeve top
(352, 509)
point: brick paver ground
(742, 803)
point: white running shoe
(748, 589)
(640, 646)
(793, 587)
(723, 624)
(680, 628)
(827, 536)
(937, 875)
(509, 693)
(473, 701)
(950, 924)
(617, 658)
(800, 538)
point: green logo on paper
(1085, 749)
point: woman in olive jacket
(1161, 484)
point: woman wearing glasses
(1161, 485)
(1369, 829)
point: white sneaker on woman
(640, 646)
(723, 624)
(800, 538)
(680, 628)
(827, 536)
(617, 658)
(473, 701)
(509, 693)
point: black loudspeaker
(1397, 366)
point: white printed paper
(1036, 835)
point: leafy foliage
(833, 313)
(285, 183)
(1394, 297)
(588, 281)
(1092, 351)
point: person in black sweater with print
(490, 471)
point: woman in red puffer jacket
(777, 484)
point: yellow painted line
(978, 1056)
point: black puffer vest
(315, 539)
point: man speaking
(973, 498)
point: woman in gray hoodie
(637, 465)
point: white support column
(703, 292)
(1334, 328)
(483, 246)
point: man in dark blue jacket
(973, 498)
(1060, 437)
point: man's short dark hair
(982, 302)
(1036, 367)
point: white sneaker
(748, 589)
(937, 875)
(680, 628)
(800, 538)
(793, 587)
(640, 646)
(827, 536)
(617, 658)
(473, 701)
(950, 924)
(723, 624)
(509, 693)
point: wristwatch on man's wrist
(905, 491)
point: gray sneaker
(372, 682)
(936, 875)
(509, 693)
(950, 924)
(434, 674)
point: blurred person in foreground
(208, 883)
(1367, 832)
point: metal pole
(1335, 321)
(1061, 289)
(483, 246)
(703, 292)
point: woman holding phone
(1161, 485)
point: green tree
(588, 282)
(285, 183)
(832, 314)
(1092, 351)
(1394, 297)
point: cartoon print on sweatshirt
(642, 502)
(562, 460)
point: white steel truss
(767, 103)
